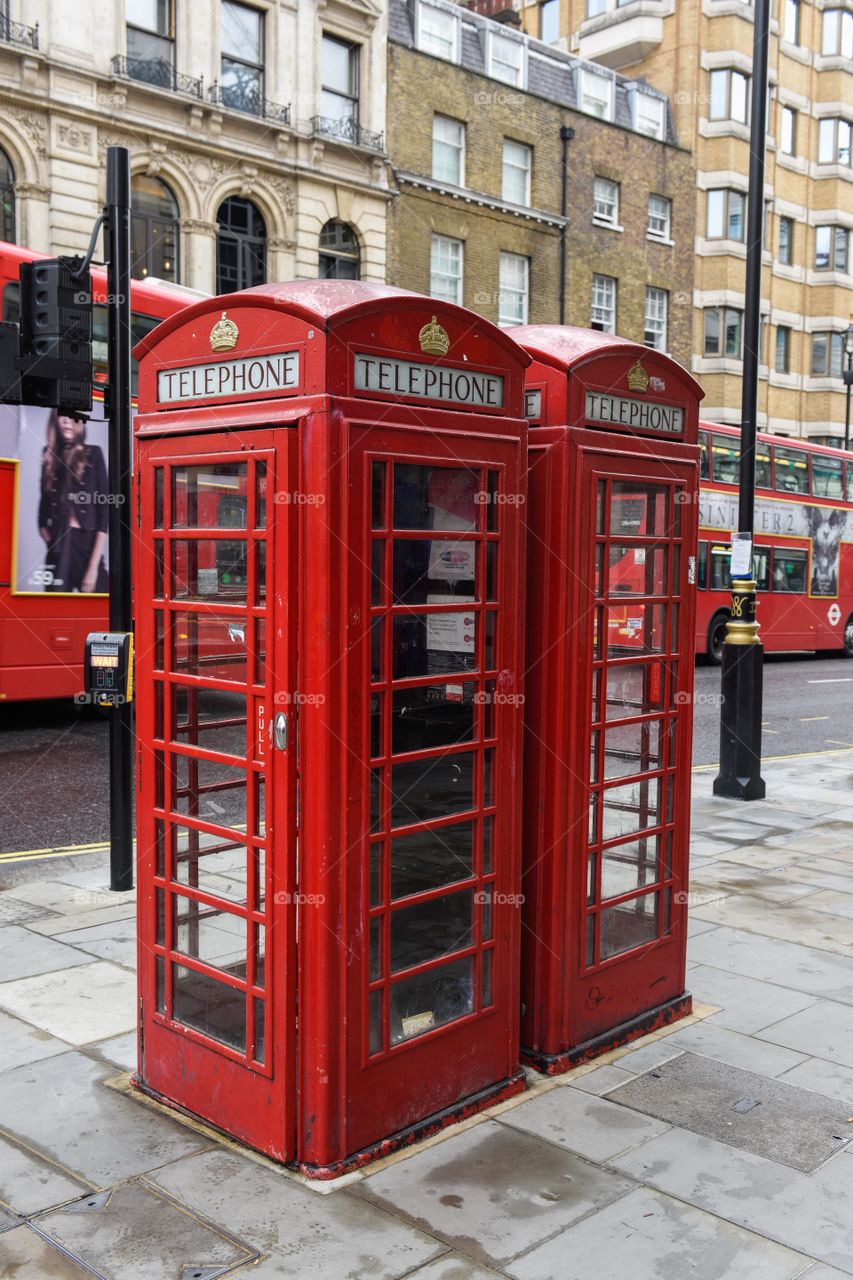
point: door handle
(279, 731)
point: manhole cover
(745, 1110)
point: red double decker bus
(52, 474)
(803, 545)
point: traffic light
(56, 333)
(47, 360)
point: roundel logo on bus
(833, 613)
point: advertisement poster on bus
(63, 499)
(825, 527)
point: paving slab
(13, 911)
(824, 1030)
(833, 901)
(812, 1213)
(57, 896)
(731, 876)
(653, 1237)
(119, 1050)
(730, 1046)
(747, 1005)
(603, 1079)
(305, 1234)
(779, 1121)
(589, 1126)
(454, 1266)
(695, 927)
(797, 967)
(21, 1043)
(135, 1233)
(821, 1272)
(28, 1184)
(8, 1221)
(61, 1107)
(115, 940)
(491, 1191)
(24, 1255)
(790, 922)
(57, 925)
(24, 953)
(823, 1077)
(90, 1002)
(649, 1056)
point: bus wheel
(716, 636)
(848, 637)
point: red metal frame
(326, 1097)
(579, 997)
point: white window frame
(788, 130)
(587, 78)
(664, 232)
(729, 73)
(459, 147)
(791, 11)
(834, 351)
(437, 272)
(605, 202)
(834, 233)
(783, 332)
(837, 125)
(424, 39)
(722, 314)
(517, 289)
(525, 171)
(837, 24)
(724, 233)
(512, 73)
(786, 220)
(656, 320)
(604, 301)
(643, 102)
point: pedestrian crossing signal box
(108, 668)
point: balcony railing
(18, 33)
(156, 72)
(246, 98)
(347, 129)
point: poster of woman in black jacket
(73, 514)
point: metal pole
(743, 654)
(117, 223)
(566, 135)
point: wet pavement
(716, 1149)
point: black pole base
(740, 723)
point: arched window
(241, 247)
(340, 258)
(154, 230)
(7, 199)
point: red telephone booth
(328, 567)
(612, 517)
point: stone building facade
(475, 112)
(700, 53)
(256, 132)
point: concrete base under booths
(555, 1064)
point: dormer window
(438, 32)
(649, 115)
(596, 94)
(506, 59)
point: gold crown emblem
(638, 379)
(433, 339)
(224, 334)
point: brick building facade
(475, 111)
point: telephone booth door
(636, 683)
(216, 778)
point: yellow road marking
(807, 719)
(69, 851)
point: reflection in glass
(433, 788)
(637, 571)
(428, 1000)
(637, 509)
(628, 867)
(213, 719)
(434, 644)
(433, 572)
(430, 859)
(209, 569)
(631, 807)
(434, 497)
(210, 496)
(630, 924)
(427, 930)
(210, 790)
(436, 715)
(209, 1006)
(218, 938)
(635, 629)
(207, 862)
(632, 748)
(633, 690)
(208, 644)
(486, 992)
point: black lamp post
(848, 381)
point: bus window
(720, 561)
(140, 325)
(763, 469)
(725, 455)
(12, 303)
(792, 470)
(704, 468)
(761, 568)
(849, 468)
(702, 577)
(789, 570)
(826, 476)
